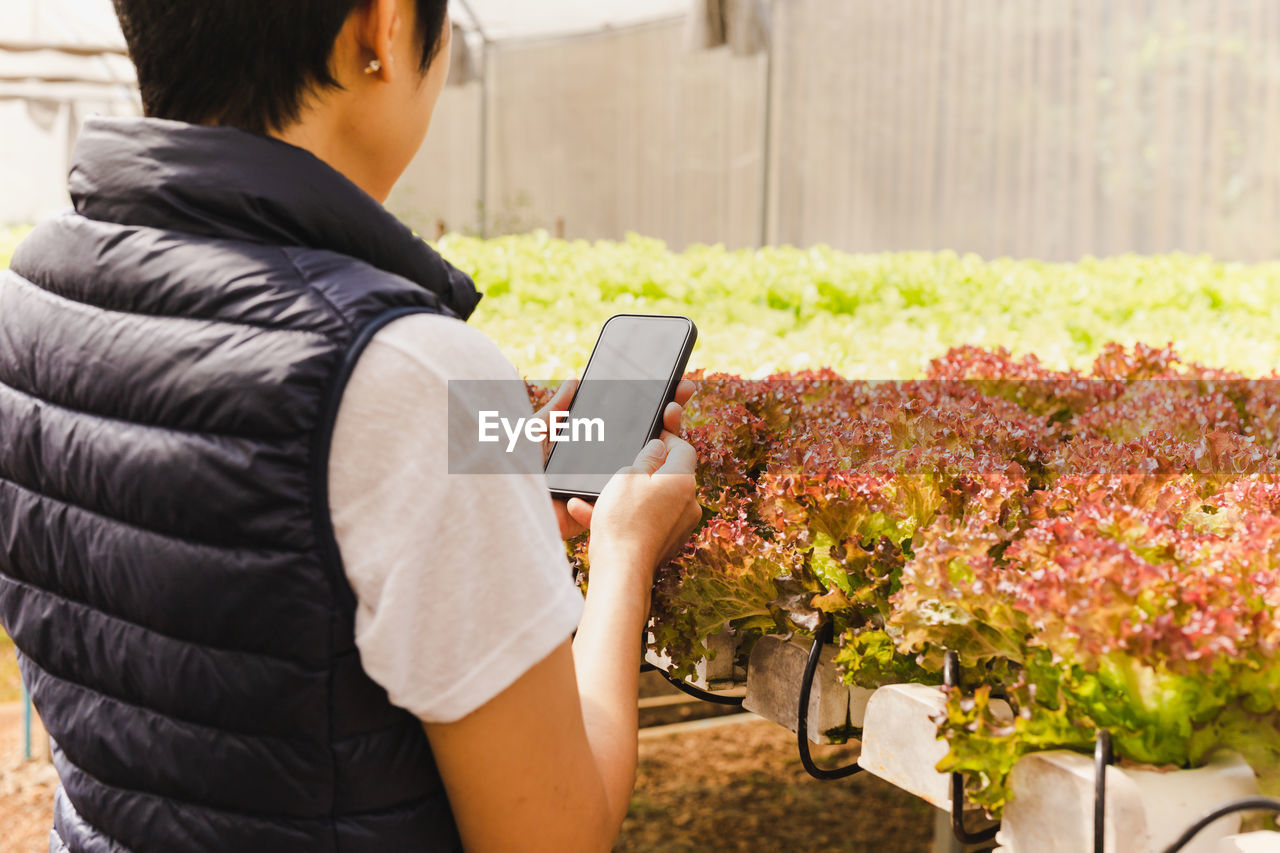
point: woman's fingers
(559, 402)
(681, 458)
(673, 415)
(672, 418)
(651, 458)
(564, 395)
(580, 511)
(569, 525)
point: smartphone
(631, 377)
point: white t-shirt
(461, 580)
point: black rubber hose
(1249, 804)
(951, 678)
(1102, 759)
(821, 638)
(699, 693)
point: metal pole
(484, 118)
(26, 724)
(766, 169)
(944, 840)
(484, 140)
(72, 49)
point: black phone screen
(631, 376)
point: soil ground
(737, 786)
(10, 680)
(740, 787)
(26, 790)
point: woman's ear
(378, 31)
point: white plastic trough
(715, 672)
(900, 742)
(1051, 810)
(774, 676)
(1052, 806)
(1250, 842)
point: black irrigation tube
(1102, 759)
(1249, 804)
(951, 678)
(823, 636)
(696, 692)
(699, 693)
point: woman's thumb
(651, 457)
(564, 395)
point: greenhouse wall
(442, 184)
(609, 133)
(1047, 130)
(1064, 129)
(37, 135)
(640, 134)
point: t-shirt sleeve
(461, 579)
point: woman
(252, 606)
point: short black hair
(245, 63)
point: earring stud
(373, 67)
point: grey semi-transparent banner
(1192, 427)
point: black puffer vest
(171, 358)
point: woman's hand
(647, 511)
(672, 416)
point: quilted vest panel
(171, 357)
